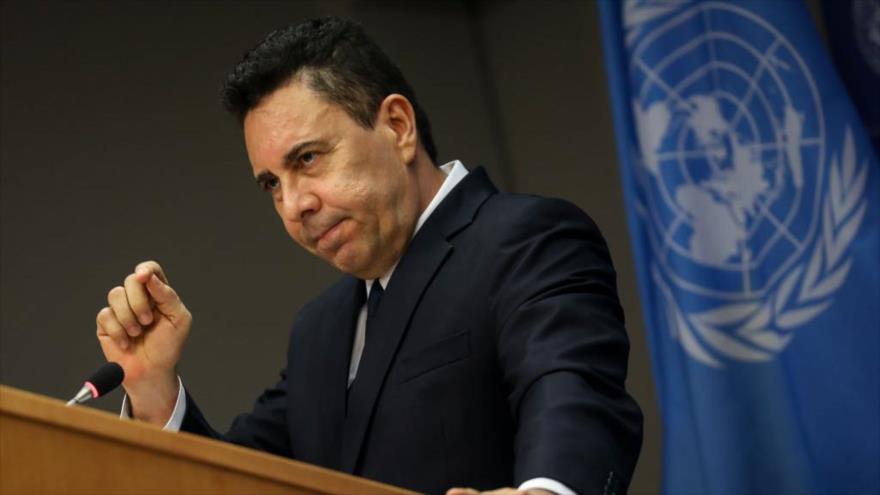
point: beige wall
(113, 149)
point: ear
(396, 113)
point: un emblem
(748, 224)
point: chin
(348, 262)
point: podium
(46, 447)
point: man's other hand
(499, 491)
(144, 329)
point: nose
(298, 203)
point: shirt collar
(455, 172)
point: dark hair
(339, 62)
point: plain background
(114, 149)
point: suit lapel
(386, 331)
(335, 340)
(424, 256)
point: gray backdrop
(114, 149)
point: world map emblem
(749, 209)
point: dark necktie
(373, 301)
(372, 306)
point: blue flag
(753, 200)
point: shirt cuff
(546, 484)
(177, 414)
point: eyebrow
(288, 159)
(291, 155)
(264, 176)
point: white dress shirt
(455, 172)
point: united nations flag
(752, 192)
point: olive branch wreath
(756, 330)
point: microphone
(107, 378)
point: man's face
(342, 191)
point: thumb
(167, 301)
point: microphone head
(107, 378)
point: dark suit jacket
(498, 354)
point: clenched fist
(144, 329)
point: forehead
(293, 113)
(293, 105)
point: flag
(752, 194)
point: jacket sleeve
(563, 350)
(264, 428)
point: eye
(269, 184)
(308, 158)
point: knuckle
(130, 279)
(121, 314)
(102, 315)
(126, 320)
(138, 304)
(115, 293)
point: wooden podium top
(46, 447)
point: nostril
(307, 204)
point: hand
(499, 491)
(144, 330)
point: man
(475, 339)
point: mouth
(330, 237)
